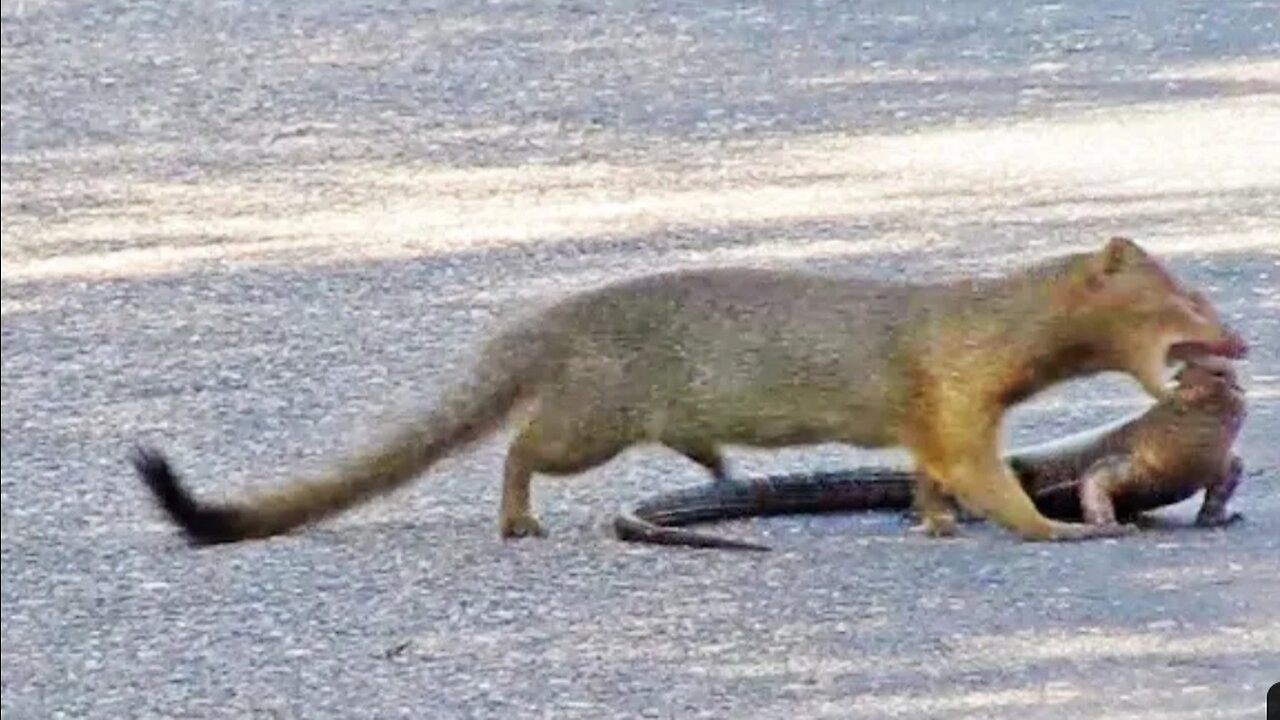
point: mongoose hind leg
(515, 516)
(708, 455)
(1213, 511)
(546, 446)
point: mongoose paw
(1067, 532)
(521, 526)
(1220, 520)
(938, 526)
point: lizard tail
(657, 520)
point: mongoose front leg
(1213, 512)
(984, 484)
(937, 516)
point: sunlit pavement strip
(1157, 159)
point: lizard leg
(1097, 486)
(1213, 512)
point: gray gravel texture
(253, 233)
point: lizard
(1160, 456)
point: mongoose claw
(937, 526)
(521, 526)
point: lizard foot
(1219, 520)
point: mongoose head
(1209, 354)
(1153, 319)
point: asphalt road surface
(256, 233)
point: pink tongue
(1215, 363)
(1235, 347)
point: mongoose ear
(1118, 254)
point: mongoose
(1161, 456)
(697, 359)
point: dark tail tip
(630, 527)
(202, 524)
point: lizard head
(1210, 382)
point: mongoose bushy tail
(469, 412)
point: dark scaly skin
(656, 520)
(1114, 472)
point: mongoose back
(698, 359)
(1115, 472)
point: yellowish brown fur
(698, 359)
